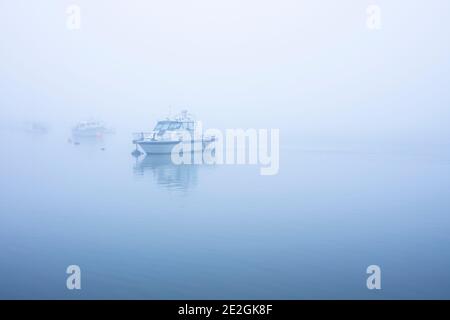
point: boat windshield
(175, 126)
(167, 125)
(162, 125)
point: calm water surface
(144, 228)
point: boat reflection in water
(166, 174)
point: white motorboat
(171, 132)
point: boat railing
(140, 136)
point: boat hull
(166, 147)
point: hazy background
(311, 68)
(364, 163)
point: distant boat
(171, 132)
(89, 129)
(36, 127)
